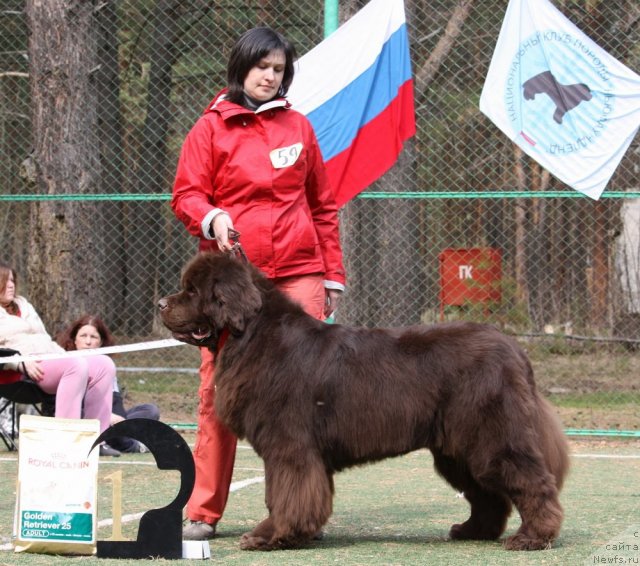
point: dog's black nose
(162, 304)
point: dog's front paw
(471, 531)
(521, 541)
(250, 541)
(458, 532)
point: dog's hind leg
(299, 496)
(489, 510)
(532, 488)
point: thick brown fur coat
(314, 398)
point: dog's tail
(553, 442)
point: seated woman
(76, 382)
(91, 332)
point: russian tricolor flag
(356, 88)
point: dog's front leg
(299, 496)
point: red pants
(215, 449)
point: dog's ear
(237, 296)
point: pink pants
(215, 449)
(78, 380)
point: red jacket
(265, 169)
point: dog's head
(218, 292)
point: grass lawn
(394, 512)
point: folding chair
(24, 392)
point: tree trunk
(539, 252)
(143, 261)
(385, 275)
(600, 276)
(384, 267)
(520, 219)
(147, 276)
(110, 125)
(66, 246)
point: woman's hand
(115, 419)
(33, 370)
(220, 227)
(332, 300)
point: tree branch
(13, 74)
(425, 74)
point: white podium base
(196, 549)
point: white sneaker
(198, 530)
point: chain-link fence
(555, 264)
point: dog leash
(236, 249)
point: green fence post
(330, 25)
(330, 17)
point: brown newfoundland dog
(315, 398)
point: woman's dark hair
(253, 45)
(67, 339)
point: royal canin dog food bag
(57, 486)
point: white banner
(167, 343)
(564, 100)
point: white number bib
(285, 156)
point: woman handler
(252, 164)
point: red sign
(469, 276)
